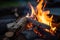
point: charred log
(34, 22)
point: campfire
(38, 21)
(39, 14)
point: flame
(42, 16)
(52, 30)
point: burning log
(41, 29)
(22, 22)
(34, 22)
(19, 25)
(42, 33)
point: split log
(20, 22)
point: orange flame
(42, 16)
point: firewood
(20, 22)
(41, 29)
(38, 23)
(23, 21)
(9, 34)
(44, 34)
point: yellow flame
(41, 16)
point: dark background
(8, 3)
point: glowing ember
(29, 25)
(36, 31)
(41, 16)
